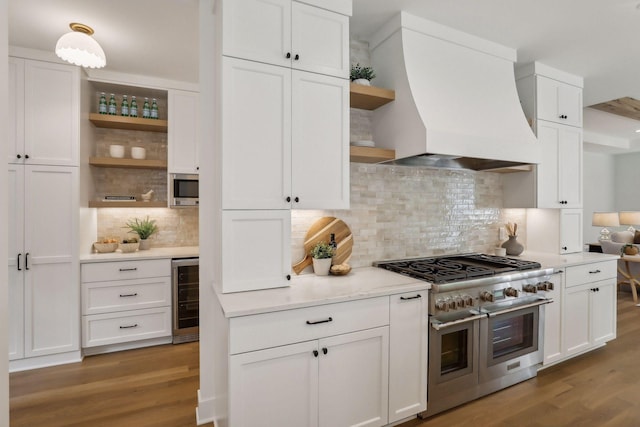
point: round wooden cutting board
(321, 231)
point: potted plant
(628, 249)
(321, 254)
(144, 229)
(362, 75)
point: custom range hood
(456, 102)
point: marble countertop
(549, 260)
(310, 290)
(153, 253)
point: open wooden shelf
(370, 97)
(371, 154)
(110, 162)
(136, 204)
(128, 123)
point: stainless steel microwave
(183, 190)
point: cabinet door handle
(324, 350)
(315, 353)
(564, 248)
(18, 156)
(19, 269)
(296, 57)
(288, 277)
(129, 269)
(288, 55)
(26, 261)
(297, 199)
(135, 325)
(26, 156)
(413, 297)
(595, 272)
(309, 322)
(288, 199)
(135, 294)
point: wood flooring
(157, 387)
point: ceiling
(590, 38)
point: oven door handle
(435, 324)
(521, 307)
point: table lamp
(605, 219)
(630, 218)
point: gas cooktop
(454, 268)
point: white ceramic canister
(138, 153)
(116, 151)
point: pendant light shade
(79, 48)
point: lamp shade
(79, 48)
(630, 218)
(605, 219)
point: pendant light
(79, 48)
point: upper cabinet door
(183, 111)
(52, 110)
(259, 30)
(559, 102)
(320, 41)
(16, 111)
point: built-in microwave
(183, 190)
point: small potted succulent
(321, 254)
(144, 229)
(362, 75)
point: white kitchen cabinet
(285, 130)
(284, 378)
(287, 33)
(560, 172)
(183, 117)
(553, 325)
(570, 231)
(554, 230)
(408, 343)
(43, 261)
(257, 251)
(125, 304)
(44, 113)
(558, 101)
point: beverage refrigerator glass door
(183, 191)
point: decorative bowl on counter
(105, 248)
(129, 247)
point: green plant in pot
(144, 228)
(362, 75)
(321, 255)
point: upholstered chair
(628, 272)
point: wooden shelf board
(110, 162)
(370, 97)
(128, 123)
(136, 204)
(371, 154)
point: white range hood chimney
(456, 101)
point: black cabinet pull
(324, 350)
(129, 269)
(595, 272)
(129, 326)
(288, 55)
(413, 297)
(296, 57)
(315, 353)
(19, 269)
(135, 294)
(288, 277)
(564, 248)
(26, 261)
(309, 322)
(18, 156)
(297, 199)
(26, 156)
(288, 199)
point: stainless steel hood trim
(453, 162)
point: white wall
(627, 177)
(599, 183)
(4, 143)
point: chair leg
(634, 283)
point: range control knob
(532, 289)
(510, 292)
(459, 301)
(442, 305)
(545, 286)
(468, 300)
(486, 296)
(452, 304)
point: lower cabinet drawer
(126, 326)
(592, 272)
(124, 270)
(266, 330)
(107, 297)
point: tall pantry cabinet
(552, 101)
(284, 91)
(43, 213)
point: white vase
(321, 266)
(363, 82)
(144, 244)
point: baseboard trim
(212, 410)
(44, 361)
(90, 351)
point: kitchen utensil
(321, 230)
(116, 151)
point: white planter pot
(363, 82)
(144, 244)
(321, 266)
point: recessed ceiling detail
(625, 107)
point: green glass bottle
(124, 107)
(133, 111)
(102, 104)
(154, 109)
(112, 105)
(146, 109)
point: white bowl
(116, 151)
(138, 153)
(129, 247)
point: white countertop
(153, 253)
(548, 260)
(309, 290)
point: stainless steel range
(487, 319)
